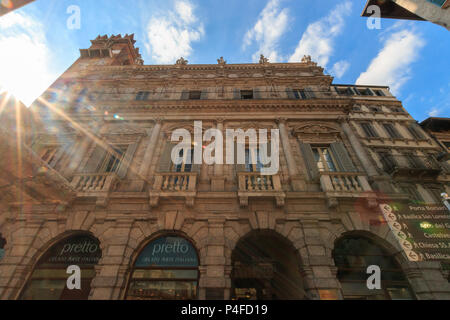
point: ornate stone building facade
(100, 190)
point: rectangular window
(387, 160)
(246, 94)
(253, 161)
(375, 109)
(415, 132)
(195, 95)
(411, 190)
(379, 93)
(391, 130)
(344, 91)
(111, 161)
(184, 166)
(48, 154)
(325, 159)
(369, 130)
(414, 161)
(363, 92)
(436, 194)
(142, 95)
(299, 94)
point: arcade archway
(166, 269)
(352, 255)
(266, 266)
(48, 280)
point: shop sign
(423, 231)
(168, 252)
(74, 250)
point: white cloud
(434, 112)
(25, 63)
(340, 68)
(271, 25)
(392, 64)
(170, 36)
(318, 39)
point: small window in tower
(246, 94)
(379, 93)
(344, 91)
(195, 95)
(142, 95)
(299, 94)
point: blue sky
(36, 45)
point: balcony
(174, 184)
(253, 184)
(97, 185)
(346, 185)
(411, 165)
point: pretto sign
(74, 250)
(168, 252)
(422, 231)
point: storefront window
(353, 255)
(49, 278)
(167, 269)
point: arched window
(2, 246)
(167, 268)
(353, 255)
(49, 278)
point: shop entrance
(166, 269)
(49, 278)
(266, 267)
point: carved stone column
(296, 182)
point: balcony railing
(410, 164)
(345, 184)
(174, 184)
(97, 185)
(253, 184)
(95, 182)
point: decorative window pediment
(316, 130)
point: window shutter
(237, 94)
(290, 93)
(58, 156)
(342, 157)
(94, 161)
(311, 165)
(257, 93)
(204, 94)
(185, 95)
(309, 93)
(126, 160)
(238, 167)
(165, 162)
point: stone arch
(261, 269)
(260, 221)
(379, 234)
(145, 241)
(397, 255)
(31, 262)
